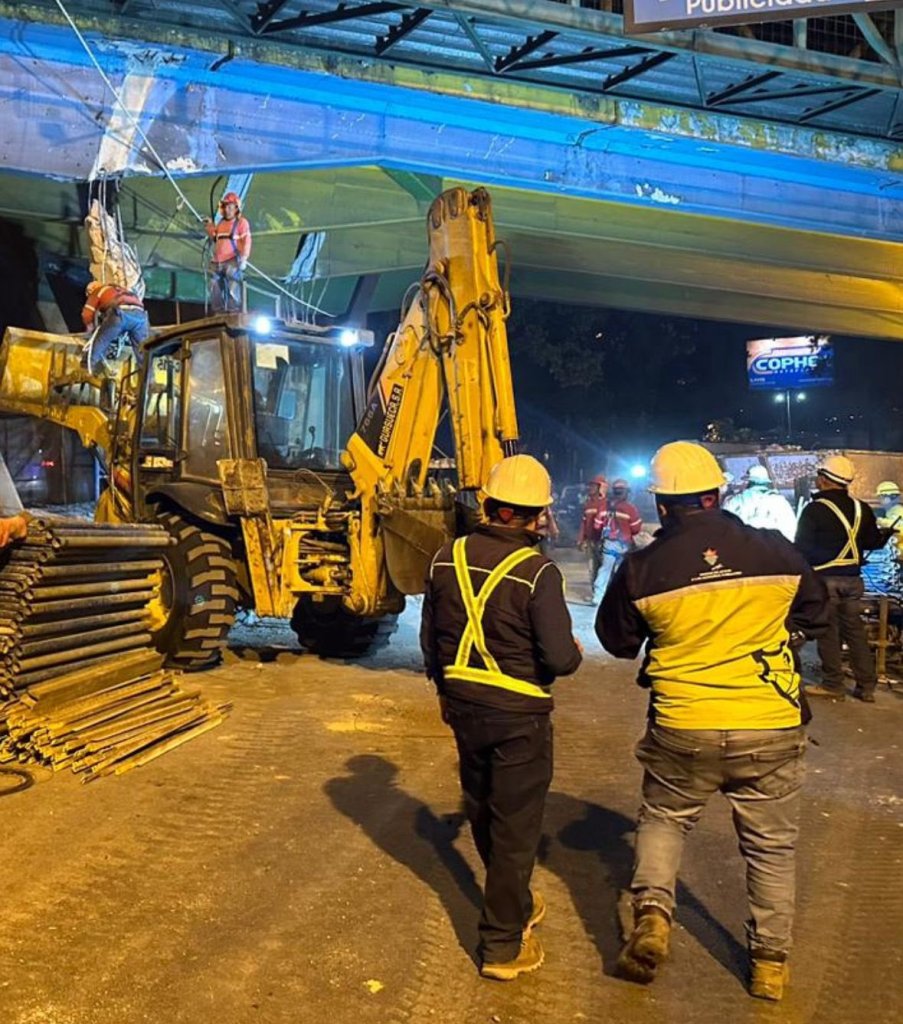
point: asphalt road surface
(307, 862)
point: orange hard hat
(600, 480)
(231, 197)
(620, 484)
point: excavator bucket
(411, 538)
(40, 375)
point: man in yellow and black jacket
(715, 603)
(495, 634)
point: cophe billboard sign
(655, 15)
(782, 363)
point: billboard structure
(656, 15)
(785, 363)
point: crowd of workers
(721, 609)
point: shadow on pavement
(591, 854)
(408, 831)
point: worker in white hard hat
(890, 516)
(834, 533)
(717, 606)
(495, 634)
(760, 505)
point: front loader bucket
(36, 373)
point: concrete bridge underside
(616, 203)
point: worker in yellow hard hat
(495, 634)
(834, 533)
(714, 602)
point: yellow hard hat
(887, 487)
(93, 286)
(837, 468)
(520, 480)
(682, 467)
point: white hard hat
(837, 468)
(758, 475)
(520, 480)
(682, 467)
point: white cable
(185, 200)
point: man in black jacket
(834, 532)
(495, 634)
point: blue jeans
(116, 322)
(761, 773)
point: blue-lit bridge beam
(58, 119)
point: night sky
(599, 389)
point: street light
(786, 397)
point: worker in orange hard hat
(231, 238)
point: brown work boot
(818, 690)
(537, 913)
(767, 978)
(528, 959)
(647, 946)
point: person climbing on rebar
(231, 237)
(111, 312)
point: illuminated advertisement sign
(655, 15)
(783, 363)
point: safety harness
(473, 636)
(849, 553)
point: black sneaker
(866, 696)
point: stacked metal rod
(104, 719)
(72, 594)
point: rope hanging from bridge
(184, 201)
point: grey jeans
(845, 618)
(760, 772)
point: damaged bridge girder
(58, 117)
(730, 218)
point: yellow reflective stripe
(475, 605)
(849, 554)
(473, 636)
(481, 675)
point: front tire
(336, 633)
(196, 607)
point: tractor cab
(244, 387)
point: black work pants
(845, 617)
(506, 769)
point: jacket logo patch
(715, 570)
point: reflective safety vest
(475, 605)
(849, 553)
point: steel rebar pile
(104, 719)
(72, 594)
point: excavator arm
(450, 348)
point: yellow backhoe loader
(289, 486)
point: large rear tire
(336, 633)
(196, 608)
